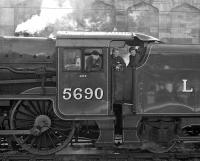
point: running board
(189, 139)
(15, 132)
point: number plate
(79, 93)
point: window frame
(83, 56)
(63, 62)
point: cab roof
(104, 35)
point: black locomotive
(58, 92)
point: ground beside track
(93, 154)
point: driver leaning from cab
(94, 61)
(136, 57)
(117, 61)
(132, 56)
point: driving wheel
(49, 134)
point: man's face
(95, 57)
(133, 52)
(116, 52)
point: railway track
(92, 154)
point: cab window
(72, 59)
(93, 59)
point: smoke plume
(69, 15)
(51, 12)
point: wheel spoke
(34, 107)
(53, 132)
(29, 109)
(24, 120)
(39, 107)
(39, 140)
(43, 107)
(24, 127)
(62, 133)
(45, 141)
(50, 111)
(26, 139)
(33, 141)
(51, 140)
(48, 106)
(25, 114)
(24, 124)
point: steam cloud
(51, 11)
(66, 15)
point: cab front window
(72, 59)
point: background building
(175, 21)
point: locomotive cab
(90, 86)
(83, 91)
(88, 83)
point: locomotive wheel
(49, 133)
(157, 135)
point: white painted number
(89, 93)
(67, 93)
(79, 93)
(98, 93)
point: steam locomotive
(51, 98)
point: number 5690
(79, 93)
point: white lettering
(67, 93)
(89, 93)
(185, 86)
(79, 93)
(99, 93)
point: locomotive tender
(49, 98)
